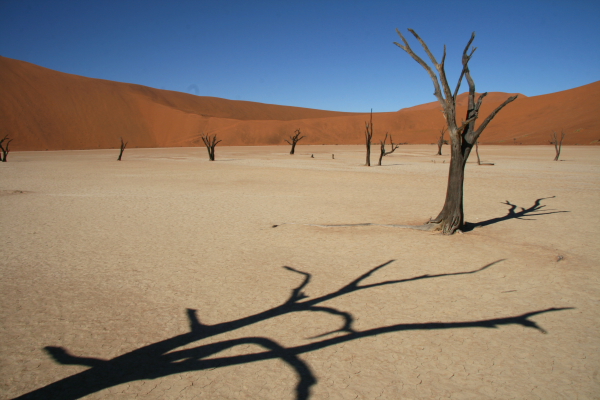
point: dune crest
(44, 109)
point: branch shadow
(162, 358)
(536, 209)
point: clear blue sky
(333, 55)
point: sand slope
(45, 109)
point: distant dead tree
(384, 153)
(463, 135)
(294, 140)
(478, 159)
(557, 142)
(123, 145)
(441, 140)
(4, 147)
(210, 143)
(368, 137)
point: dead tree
(294, 140)
(368, 137)
(463, 135)
(441, 141)
(478, 159)
(557, 143)
(210, 143)
(4, 148)
(384, 153)
(123, 145)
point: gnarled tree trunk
(452, 216)
(463, 136)
(210, 143)
(4, 147)
(368, 137)
(557, 143)
(294, 140)
(441, 141)
(123, 145)
(384, 153)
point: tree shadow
(535, 210)
(162, 358)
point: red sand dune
(45, 109)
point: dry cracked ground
(171, 277)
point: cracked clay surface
(162, 276)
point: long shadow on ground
(536, 209)
(161, 359)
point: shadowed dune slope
(45, 109)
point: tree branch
(465, 61)
(406, 47)
(475, 134)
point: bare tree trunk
(452, 216)
(441, 141)
(210, 144)
(557, 143)
(4, 147)
(368, 137)
(294, 140)
(384, 153)
(123, 145)
(477, 152)
(463, 136)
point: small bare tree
(210, 143)
(463, 135)
(557, 142)
(4, 147)
(123, 145)
(441, 140)
(294, 140)
(368, 137)
(384, 153)
(479, 159)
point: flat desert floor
(166, 276)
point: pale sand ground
(103, 257)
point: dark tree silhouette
(368, 137)
(123, 145)
(462, 135)
(557, 143)
(441, 141)
(384, 153)
(161, 359)
(4, 147)
(210, 143)
(295, 138)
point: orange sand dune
(45, 109)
